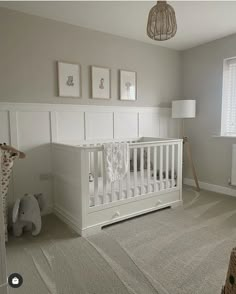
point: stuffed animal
(26, 215)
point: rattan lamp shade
(161, 24)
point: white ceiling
(198, 21)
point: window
(228, 119)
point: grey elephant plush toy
(26, 215)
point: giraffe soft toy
(9, 154)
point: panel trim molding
(211, 187)
(76, 107)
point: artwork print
(100, 82)
(69, 79)
(128, 87)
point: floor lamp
(186, 109)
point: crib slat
(112, 192)
(95, 178)
(179, 165)
(104, 182)
(161, 167)
(120, 189)
(148, 169)
(128, 178)
(173, 166)
(155, 167)
(91, 161)
(167, 166)
(142, 170)
(135, 172)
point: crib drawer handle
(117, 214)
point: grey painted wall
(202, 80)
(30, 47)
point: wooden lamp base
(190, 159)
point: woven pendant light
(161, 24)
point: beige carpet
(60, 262)
(175, 251)
(182, 251)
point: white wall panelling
(126, 125)
(98, 125)
(4, 126)
(70, 126)
(34, 137)
(149, 124)
(174, 127)
(54, 126)
(31, 127)
(13, 124)
(164, 124)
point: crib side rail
(132, 143)
(162, 164)
(153, 167)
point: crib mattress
(166, 183)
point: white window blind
(228, 120)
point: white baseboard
(66, 218)
(211, 187)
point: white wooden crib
(154, 181)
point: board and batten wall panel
(164, 123)
(174, 128)
(125, 125)
(34, 138)
(32, 127)
(99, 125)
(149, 124)
(4, 127)
(70, 126)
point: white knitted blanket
(116, 157)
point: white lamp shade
(183, 108)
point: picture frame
(101, 82)
(69, 79)
(128, 85)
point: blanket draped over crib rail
(116, 156)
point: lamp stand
(186, 145)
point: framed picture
(128, 85)
(101, 82)
(69, 79)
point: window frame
(223, 131)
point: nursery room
(117, 147)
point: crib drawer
(125, 210)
